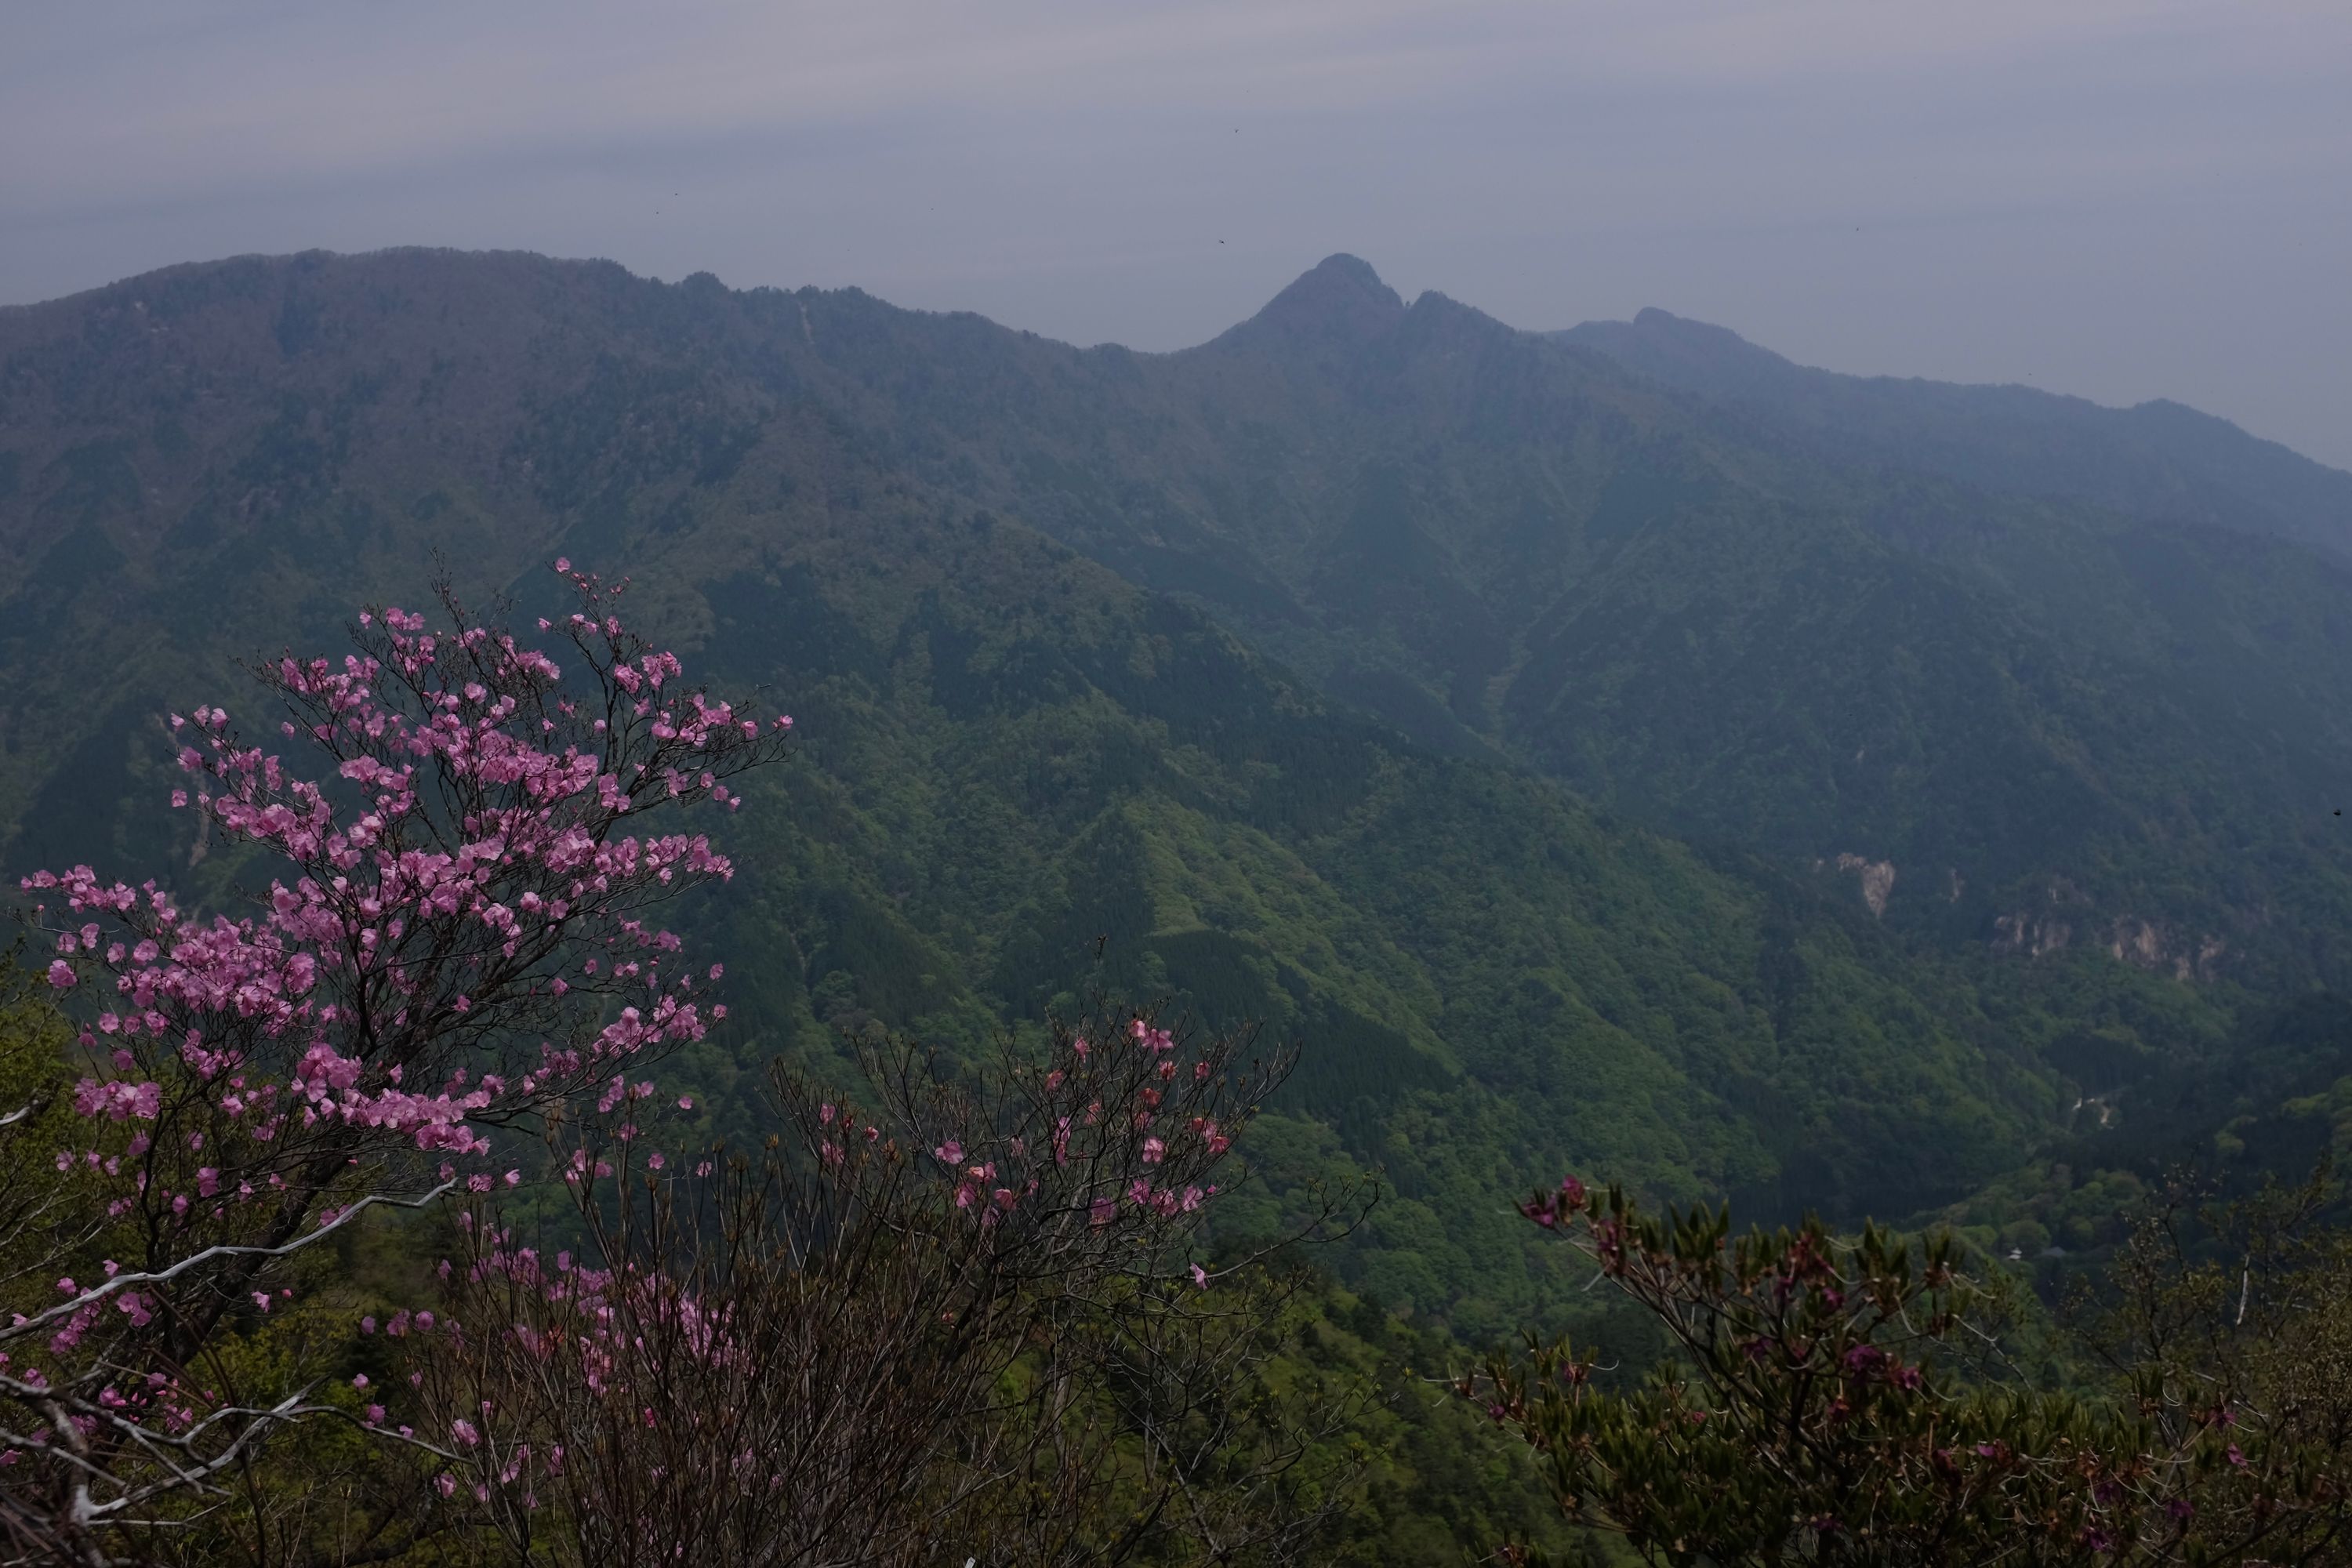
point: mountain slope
(2033, 724)
(2158, 459)
(2057, 723)
(1008, 753)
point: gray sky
(2119, 200)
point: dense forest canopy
(1617, 751)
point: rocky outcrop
(1878, 878)
(2142, 943)
(2149, 944)
(2031, 934)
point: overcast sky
(2119, 200)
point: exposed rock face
(2035, 931)
(2146, 944)
(2142, 943)
(1878, 878)
(2031, 934)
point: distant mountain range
(1597, 753)
(2160, 460)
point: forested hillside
(1982, 786)
(2014, 719)
(2159, 459)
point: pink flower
(363, 884)
(1200, 1276)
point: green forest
(1584, 762)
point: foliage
(2094, 751)
(453, 937)
(829, 497)
(978, 1328)
(957, 1320)
(1831, 1400)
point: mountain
(2038, 721)
(980, 569)
(2158, 459)
(2022, 721)
(2045, 721)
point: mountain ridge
(1007, 750)
(1501, 544)
(2226, 475)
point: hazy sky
(2119, 200)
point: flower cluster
(446, 919)
(463, 871)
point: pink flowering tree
(942, 1319)
(455, 858)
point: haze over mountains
(1617, 746)
(2159, 459)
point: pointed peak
(1339, 299)
(1355, 269)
